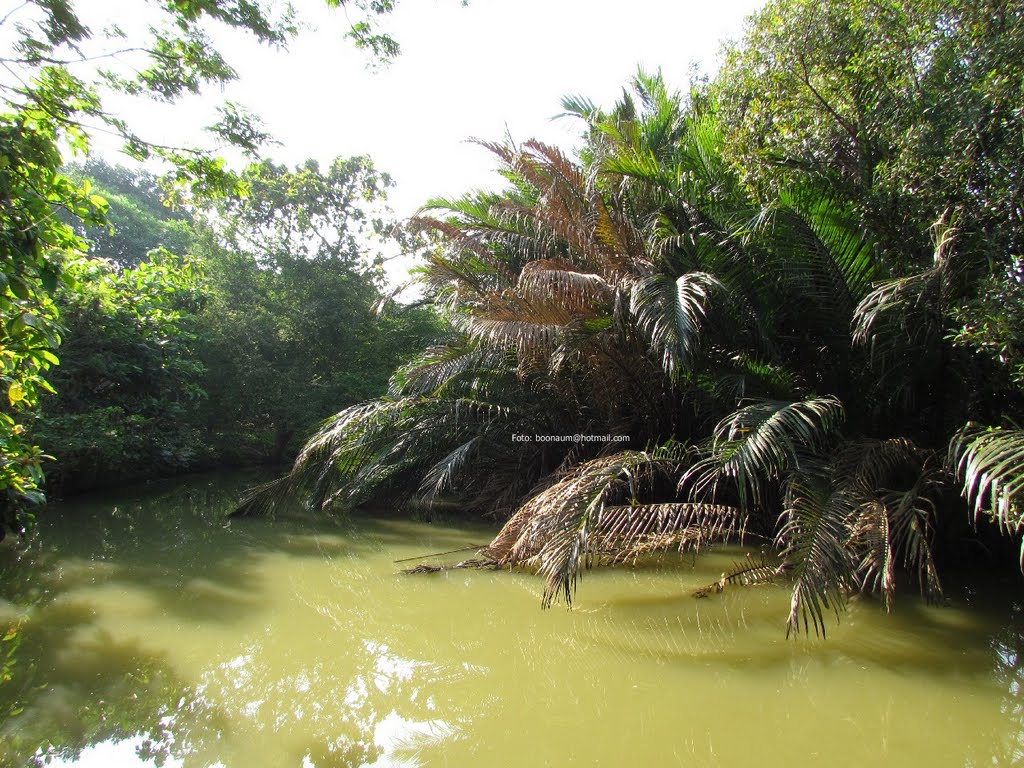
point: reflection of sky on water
(367, 705)
(114, 754)
(383, 737)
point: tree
(48, 103)
(130, 378)
(778, 365)
(138, 220)
(904, 108)
(294, 274)
(33, 247)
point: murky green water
(145, 632)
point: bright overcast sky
(473, 71)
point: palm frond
(564, 528)
(872, 536)
(441, 476)
(813, 541)
(755, 445)
(912, 515)
(627, 532)
(747, 573)
(441, 364)
(672, 315)
(558, 282)
(989, 461)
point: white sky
(464, 72)
(482, 70)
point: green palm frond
(672, 314)
(576, 105)
(901, 320)
(441, 476)
(989, 461)
(813, 542)
(438, 366)
(753, 447)
(822, 250)
(870, 464)
(338, 450)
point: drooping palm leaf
(755, 445)
(672, 314)
(912, 515)
(581, 518)
(877, 566)
(747, 573)
(813, 541)
(989, 461)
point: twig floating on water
(438, 554)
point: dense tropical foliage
(222, 353)
(59, 70)
(793, 295)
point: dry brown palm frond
(566, 210)
(523, 335)
(505, 152)
(891, 485)
(526, 532)
(624, 245)
(547, 167)
(626, 532)
(555, 281)
(474, 563)
(581, 519)
(871, 533)
(456, 236)
(912, 524)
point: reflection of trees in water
(66, 685)
(69, 685)
(72, 686)
(1008, 743)
(362, 703)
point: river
(142, 629)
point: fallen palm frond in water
(591, 516)
(744, 573)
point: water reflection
(1008, 744)
(142, 631)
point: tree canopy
(58, 72)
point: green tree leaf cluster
(263, 327)
(57, 72)
(130, 375)
(291, 330)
